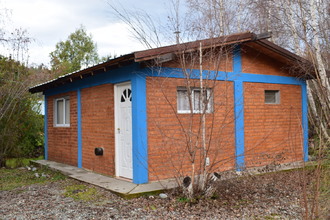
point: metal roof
(248, 38)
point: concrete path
(120, 187)
(129, 190)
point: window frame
(209, 95)
(66, 123)
(277, 97)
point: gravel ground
(271, 196)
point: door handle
(118, 129)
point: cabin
(136, 116)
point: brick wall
(167, 152)
(62, 141)
(273, 132)
(219, 59)
(97, 110)
(256, 62)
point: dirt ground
(269, 196)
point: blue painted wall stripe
(239, 124)
(79, 134)
(139, 128)
(227, 76)
(305, 119)
(123, 74)
(237, 59)
(238, 107)
(46, 129)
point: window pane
(67, 111)
(197, 100)
(209, 101)
(59, 111)
(183, 101)
(271, 96)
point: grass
(325, 187)
(16, 178)
(82, 192)
(19, 162)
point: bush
(21, 128)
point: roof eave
(303, 65)
(68, 78)
(193, 46)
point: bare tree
(15, 102)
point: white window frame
(277, 97)
(66, 122)
(196, 111)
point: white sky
(51, 21)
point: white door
(123, 130)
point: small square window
(62, 112)
(272, 96)
(196, 99)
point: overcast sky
(51, 21)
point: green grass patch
(15, 178)
(82, 192)
(20, 162)
(325, 186)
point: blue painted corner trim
(237, 59)
(79, 135)
(304, 116)
(46, 129)
(238, 78)
(139, 127)
(239, 124)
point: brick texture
(62, 141)
(273, 132)
(98, 128)
(167, 130)
(259, 63)
(219, 59)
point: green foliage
(76, 52)
(82, 192)
(20, 162)
(15, 178)
(183, 199)
(21, 128)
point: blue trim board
(46, 129)
(239, 108)
(123, 74)
(79, 134)
(239, 124)
(226, 76)
(237, 59)
(139, 129)
(304, 117)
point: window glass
(67, 111)
(59, 111)
(197, 101)
(183, 101)
(209, 100)
(126, 95)
(62, 112)
(272, 96)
